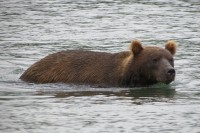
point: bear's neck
(133, 77)
(136, 80)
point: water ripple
(30, 30)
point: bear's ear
(136, 47)
(171, 46)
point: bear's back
(74, 66)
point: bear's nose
(171, 71)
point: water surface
(30, 30)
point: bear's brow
(157, 51)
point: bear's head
(151, 64)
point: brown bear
(140, 66)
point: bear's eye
(171, 60)
(155, 60)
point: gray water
(30, 30)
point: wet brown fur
(77, 67)
(87, 67)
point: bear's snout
(170, 75)
(171, 72)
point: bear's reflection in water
(137, 95)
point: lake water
(30, 30)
